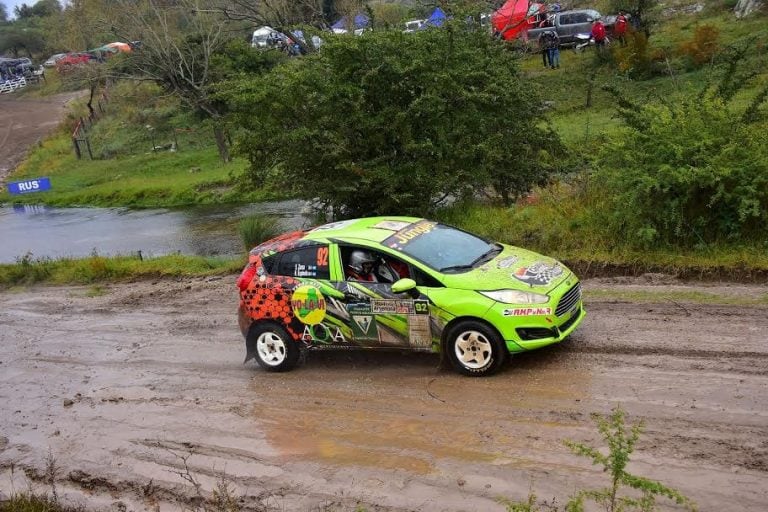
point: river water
(44, 232)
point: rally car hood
(513, 268)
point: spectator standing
(543, 48)
(598, 34)
(620, 28)
(552, 45)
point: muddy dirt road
(25, 121)
(122, 386)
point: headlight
(516, 297)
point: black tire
(475, 349)
(273, 348)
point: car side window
(366, 265)
(580, 18)
(309, 261)
(566, 19)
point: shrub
(686, 172)
(702, 48)
(637, 59)
(620, 443)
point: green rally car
(404, 283)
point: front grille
(570, 299)
(570, 321)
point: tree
(20, 40)
(644, 14)
(3, 13)
(394, 123)
(81, 25)
(178, 41)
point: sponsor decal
(392, 225)
(359, 308)
(308, 304)
(334, 225)
(538, 274)
(322, 333)
(508, 262)
(402, 237)
(527, 311)
(392, 307)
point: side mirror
(406, 285)
(403, 285)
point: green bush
(686, 172)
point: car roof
(371, 229)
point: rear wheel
(475, 349)
(275, 350)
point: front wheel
(475, 349)
(275, 350)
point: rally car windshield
(441, 247)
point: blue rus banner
(31, 185)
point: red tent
(514, 17)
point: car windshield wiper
(483, 257)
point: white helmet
(358, 258)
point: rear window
(311, 262)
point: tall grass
(101, 269)
(258, 228)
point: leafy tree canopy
(394, 123)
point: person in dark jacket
(552, 44)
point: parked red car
(73, 59)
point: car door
(377, 316)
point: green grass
(99, 269)
(28, 502)
(134, 175)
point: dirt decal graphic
(538, 274)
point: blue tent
(436, 19)
(361, 21)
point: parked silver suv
(567, 24)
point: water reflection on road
(76, 232)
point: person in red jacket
(620, 28)
(598, 34)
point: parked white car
(413, 25)
(53, 59)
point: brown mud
(122, 387)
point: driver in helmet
(361, 266)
